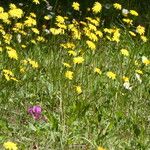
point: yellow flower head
(117, 6)
(78, 60)
(97, 70)
(111, 75)
(124, 52)
(60, 19)
(12, 54)
(140, 30)
(91, 45)
(66, 65)
(132, 33)
(33, 63)
(134, 13)
(100, 148)
(78, 89)
(76, 6)
(125, 79)
(10, 146)
(1, 9)
(97, 7)
(35, 30)
(143, 38)
(69, 75)
(71, 52)
(128, 21)
(139, 71)
(36, 2)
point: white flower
(138, 77)
(125, 12)
(127, 86)
(19, 38)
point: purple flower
(35, 111)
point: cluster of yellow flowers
(127, 20)
(90, 32)
(22, 28)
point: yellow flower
(125, 79)
(33, 41)
(97, 70)
(9, 75)
(72, 53)
(139, 71)
(91, 45)
(36, 1)
(12, 6)
(78, 89)
(100, 148)
(10, 146)
(78, 60)
(111, 75)
(140, 30)
(33, 63)
(124, 52)
(66, 65)
(117, 6)
(116, 35)
(1, 49)
(12, 54)
(69, 75)
(76, 6)
(4, 17)
(145, 60)
(1, 9)
(97, 7)
(128, 21)
(134, 13)
(40, 39)
(15, 13)
(99, 33)
(143, 38)
(60, 19)
(55, 31)
(132, 33)
(47, 17)
(35, 30)
(30, 21)
(23, 46)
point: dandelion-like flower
(78, 60)
(140, 30)
(134, 13)
(111, 75)
(69, 75)
(76, 6)
(124, 52)
(100, 148)
(78, 89)
(117, 6)
(91, 45)
(97, 7)
(10, 146)
(97, 70)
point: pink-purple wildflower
(35, 111)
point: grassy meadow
(73, 84)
